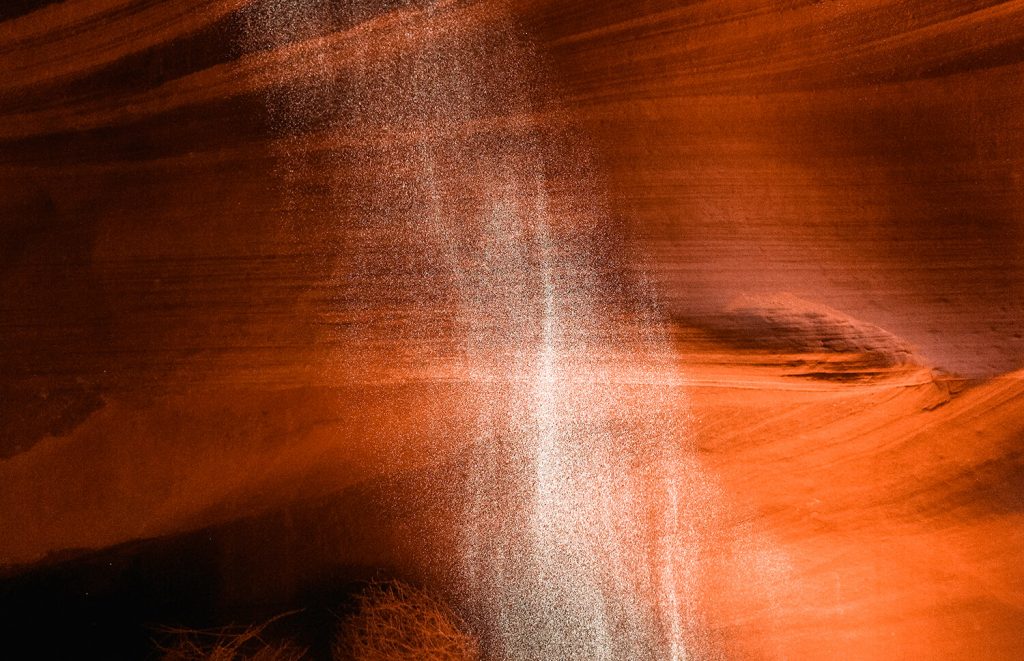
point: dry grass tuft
(228, 644)
(393, 622)
(397, 622)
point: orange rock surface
(219, 304)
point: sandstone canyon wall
(268, 266)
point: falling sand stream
(480, 229)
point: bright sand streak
(572, 546)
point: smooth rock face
(284, 275)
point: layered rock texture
(258, 261)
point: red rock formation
(217, 302)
